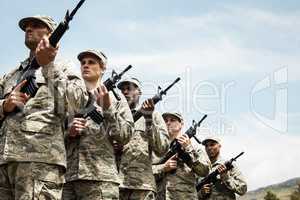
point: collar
(219, 161)
(24, 64)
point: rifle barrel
(174, 82)
(76, 8)
(203, 118)
(125, 70)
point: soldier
(150, 136)
(32, 150)
(230, 181)
(176, 178)
(92, 173)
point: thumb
(19, 86)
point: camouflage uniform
(181, 184)
(226, 189)
(34, 137)
(138, 181)
(92, 172)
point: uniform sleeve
(200, 163)
(2, 95)
(158, 171)
(1, 98)
(118, 120)
(158, 135)
(68, 89)
(235, 181)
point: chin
(30, 45)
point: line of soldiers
(49, 152)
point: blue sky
(224, 51)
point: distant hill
(282, 190)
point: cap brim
(171, 114)
(204, 142)
(120, 85)
(86, 53)
(24, 21)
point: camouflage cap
(211, 138)
(96, 53)
(132, 80)
(174, 114)
(48, 21)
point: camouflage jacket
(36, 134)
(234, 182)
(136, 159)
(181, 184)
(91, 156)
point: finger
(82, 120)
(144, 105)
(100, 90)
(42, 45)
(19, 94)
(79, 127)
(104, 89)
(21, 99)
(78, 130)
(185, 136)
(79, 124)
(18, 103)
(96, 93)
(180, 140)
(19, 86)
(46, 44)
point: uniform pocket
(38, 127)
(38, 136)
(45, 190)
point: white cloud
(235, 41)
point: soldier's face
(34, 32)
(91, 68)
(131, 93)
(212, 149)
(174, 126)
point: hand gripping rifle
(212, 177)
(156, 98)
(110, 83)
(30, 88)
(175, 146)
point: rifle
(175, 146)
(110, 83)
(156, 98)
(31, 87)
(212, 177)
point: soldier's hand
(15, 98)
(77, 126)
(184, 140)
(171, 164)
(102, 97)
(206, 189)
(222, 171)
(44, 52)
(148, 108)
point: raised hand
(15, 98)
